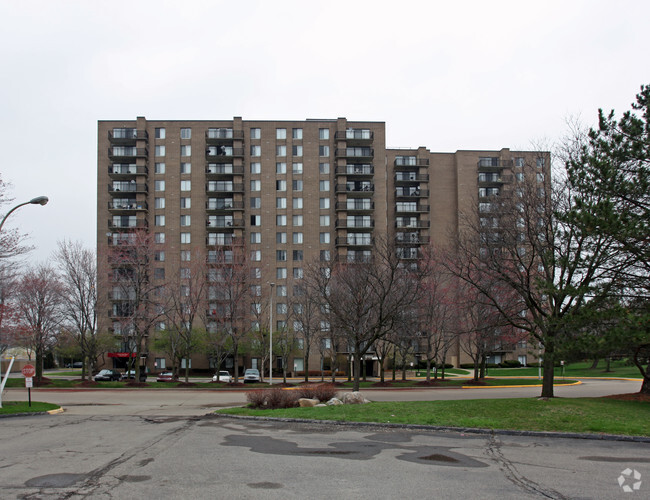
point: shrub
(510, 363)
(272, 399)
(322, 392)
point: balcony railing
(117, 171)
(137, 224)
(215, 136)
(213, 225)
(412, 240)
(410, 177)
(348, 188)
(355, 153)
(344, 224)
(354, 134)
(419, 224)
(234, 188)
(355, 170)
(408, 161)
(218, 170)
(344, 206)
(412, 193)
(409, 208)
(128, 187)
(127, 205)
(233, 205)
(121, 153)
(353, 242)
(223, 152)
(126, 136)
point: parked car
(222, 376)
(252, 375)
(166, 377)
(76, 364)
(130, 374)
(108, 375)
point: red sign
(29, 371)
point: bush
(322, 392)
(272, 399)
(510, 363)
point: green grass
(11, 407)
(584, 415)
(573, 370)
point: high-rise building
(290, 192)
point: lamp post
(39, 200)
(271, 337)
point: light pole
(39, 200)
(271, 337)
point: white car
(252, 375)
(222, 376)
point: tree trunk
(594, 365)
(305, 364)
(547, 378)
(382, 375)
(357, 369)
(428, 370)
(608, 369)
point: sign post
(28, 372)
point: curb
(468, 430)
(515, 386)
(34, 413)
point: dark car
(108, 375)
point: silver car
(252, 375)
(222, 376)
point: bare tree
(366, 298)
(307, 319)
(39, 302)
(78, 272)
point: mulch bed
(634, 396)
(476, 382)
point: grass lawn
(573, 370)
(9, 407)
(590, 415)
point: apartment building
(293, 191)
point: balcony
(354, 207)
(412, 224)
(355, 136)
(223, 224)
(137, 224)
(222, 136)
(401, 208)
(410, 193)
(222, 240)
(354, 224)
(224, 207)
(355, 188)
(121, 171)
(411, 161)
(356, 153)
(412, 239)
(353, 242)
(126, 136)
(223, 152)
(127, 187)
(126, 153)
(494, 179)
(355, 170)
(410, 177)
(222, 170)
(224, 189)
(127, 205)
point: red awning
(121, 355)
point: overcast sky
(445, 75)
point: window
(297, 255)
(256, 185)
(297, 238)
(256, 308)
(297, 273)
(256, 168)
(540, 162)
(323, 150)
(280, 203)
(280, 168)
(296, 150)
(324, 203)
(159, 168)
(280, 151)
(159, 237)
(159, 256)
(281, 273)
(281, 308)
(323, 133)
(185, 273)
(256, 273)
(280, 220)
(159, 273)
(324, 220)
(186, 185)
(159, 185)
(256, 255)
(159, 220)
(281, 255)
(296, 133)
(297, 220)
(186, 255)
(324, 185)
(186, 168)
(186, 150)
(325, 256)
(281, 290)
(186, 202)
(256, 133)
(281, 237)
(281, 185)
(325, 238)
(186, 238)
(185, 220)
(280, 133)
(159, 202)
(160, 133)
(256, 220)
(297, 203)
(186, 133)
(256, 202)
(296, 185)
(297, 168)
(324, 168)
(519, 162)
(256, 150)
(540, 177)
(159, 150)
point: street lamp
(39, 200)
(271, 337)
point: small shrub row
(322, 392)
(272, 399)
(317, 373)
(508, 363)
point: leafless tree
(307, 317)
(39, 301)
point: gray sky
(472, 75)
